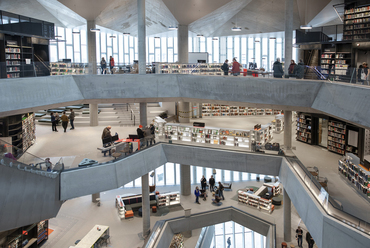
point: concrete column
(185, 180)
(143, 114)
(141, 36)
(200, 110)
(184, 112)
(288, 34)
(93, 108)
(91, 46)
(182, 44)
(94, 197)
(287, 217)
(300, 54)
(146, 205)
(288, 129)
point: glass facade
(73, 45)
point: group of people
(299, 238)
(219, 191)
(363, 73)
(146, 135)
(103, 65)
(55, 119)
(235, 68)
(294, 70)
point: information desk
(91, 239)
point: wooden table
(91, 237)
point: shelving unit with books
(209, 109)
(69, 68)
(304, 126)
(28, 130)
(13, 58)
(336, 136)
(356, 23)
(194, 69)
(168, 199)
(358, 177)
(255, 201)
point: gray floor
(79, 215)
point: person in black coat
(278, 69)
(211, 183)
(203, 182)
(53, 122)
(299, 69)
(225, 67)
(309, 240)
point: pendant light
(94, 30)
(306, 26)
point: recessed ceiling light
(95, 30)
(215, 38)
(256, 40)
(126, 33)
(199, 35)
(305, 27)
(172, 28)
(112, 36)
(157, 37)
(236, 29)
(272, 38)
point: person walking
(152, 131)
(221, 190)
(365, 74)
(228, 242)
(111, 64)
(203, 183)
(309, 240)
(299, 235)
(359, 72)
(225, 68)
(103, 66)
(211, 183)
(299, 70)
(278, 69)
(236, 67)
(64, 121)
(72, 119)
(53, 122)
(291, 68)
(197, 193)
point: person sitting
(216, 201)
(140, 134)
(203, 194)
(106, 134)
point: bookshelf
(194, 69)
(31, 236)
(68, 69)
(168, 199)
(336, 136)
(357, 23)
(304, 128)
(210, 110)
(255, 201)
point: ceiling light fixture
(112, 36)
(75, 32)
(58, 36)
(94, 30)
(172, 28)
(126, 33)
(236, 29)
(199, 35)
(157, 37)
(214, 38)
(256, 40)
(305, 27)
(272, 38)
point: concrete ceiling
(207, 17)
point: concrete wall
(26, 198)
(335, 99)
(326, 231)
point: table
(91, 237)
(119, 142)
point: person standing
(211, 183)
(309, 240)
(140, 134)
(299, 70)
(221, 190)
(103, 66)
(291, 68)
(57, 118)
(203, 183)
(64, 121)
(236, 67)
(152, 131)
(365, 74)
(228, 242)
(359, 72)
(72, 119)
(111, 64)
(225, 67)
(299, 235)
(53, 122)
(197, 193)
(278, 69)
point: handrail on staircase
(42, 62)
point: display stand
(279, 123)
(159, 126)
(168, 199)
(255, 201)
(304, 126)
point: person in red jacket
(111, 64)
(236, 67)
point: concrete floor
(78, 216)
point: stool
(154, 209)
(284, 245)
(267, 179)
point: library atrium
(169, 123)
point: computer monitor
(115, 138)
(107, 140)
(133, 136)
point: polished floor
(78, 216)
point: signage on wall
(11, 43)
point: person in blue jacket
(197, 193)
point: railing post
(134, 121)
(131, 115)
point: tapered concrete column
(185, 180)
(91, 46)
(287, 217)
(146, 205)
(183, 44)
(288, 34)
(141, 35)
(94, 197)
(93, 109)
(184, 112)
(143, 114)
(300, 54)
(288, 129)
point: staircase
(42, 68)
(313, 60)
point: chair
(119, 151)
